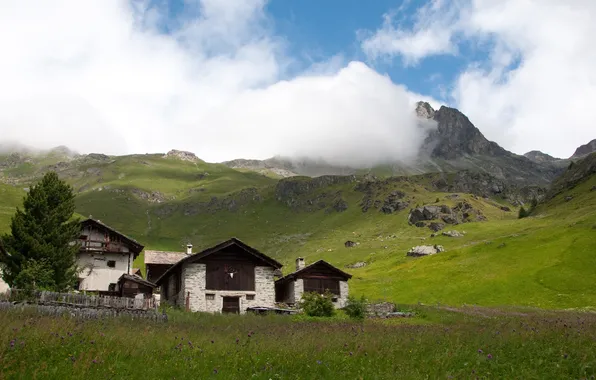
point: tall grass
(439, 344)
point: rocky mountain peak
(456, 136)
(424, 110)
(585, 149)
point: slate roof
(219, 247)
(163, 257)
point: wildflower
(319, 362)
(480, 350)
(212, 342)
(215, 371)
(350, 353)
(12, 343)
(94, 361)
(92, 342)
(237, 340)
(489, 356)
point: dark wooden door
(231, 305)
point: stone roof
(163, 257)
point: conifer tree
(39, 252)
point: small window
(210, 296)
(112, 287)
(112, 263)
(250, 297)
(334, 299)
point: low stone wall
(83, 312)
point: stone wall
(194, 282)
(344, 291)
(380, 309)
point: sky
(333, 79)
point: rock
(452, 233)
(433, 235)
(431, 212)
(593, 188)
(350, 244)
(505, 208)
(425, 250)
(420, 224)
(435, 226)
(568, 198)
(450, 219)
(340, 205)
(359, 264)
(182, 155)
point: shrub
(317, 305)
(356, 308)
(523, 213)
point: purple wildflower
(212, 342)
(480, 350)
(215, 371)
(94, 361)
(12, 343)
(489, 356)
(92, 342)
(319, 362)
(237, 340)
(351, 353)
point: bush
(317, 305)
(523, 213)
(356, 308)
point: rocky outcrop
(231, 203)
(462, 212)
(359, 264)
(539, 157)
(394, 202)
(152, 197)
(425, 250)
(452, 233)
(182, 155)
(584, 150)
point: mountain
(167, 200)
(541, 158)
(455, 144)
(585, 149)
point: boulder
(452, 233)
(359, 264)
(436, 226)
(420, 224)
(568, 198)
(350, 244)
(425, 250)
(450, 219)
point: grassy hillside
(545, 260)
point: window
(112, 287)
(250, 297)
(112, 263)
(210, 296)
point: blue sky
(336, 79)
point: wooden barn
(132, 286)
(318, 277)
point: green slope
(545, 260)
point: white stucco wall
(194, 283)
(95, 273)
(3, 285)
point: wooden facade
(131, 286)
(319, 277)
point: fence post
(187, 301)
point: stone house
(229, 277)
(319, 277)
(104, 256)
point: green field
(436, 343)
(546, 260)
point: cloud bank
(103, 76)
(535, 88)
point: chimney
(189, 249)
(299, 263)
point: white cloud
(542, 103)
(99, 76)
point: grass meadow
(438, 343)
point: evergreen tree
(39, 252)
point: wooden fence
(81, 300)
